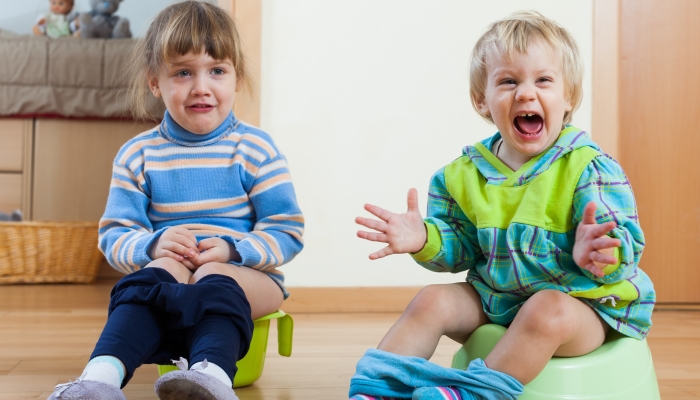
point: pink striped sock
(436, 393)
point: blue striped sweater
(231, 183)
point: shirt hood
(570, 139)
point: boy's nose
(525, 92)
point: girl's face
(526, 98)
(197, 90)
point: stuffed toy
(58, 22)
(15, 216)
(101, 23)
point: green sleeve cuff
(613, 267)
(432, 245)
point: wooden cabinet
(15, 165)
(73, 166)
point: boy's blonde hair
(513, 34)
(190, 26)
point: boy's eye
(183, 73)
(508, 82)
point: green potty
(620, 369)
(250, 367)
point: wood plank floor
(48, 331)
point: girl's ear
(153, 85)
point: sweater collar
(173, 132)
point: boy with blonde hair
(545, 222)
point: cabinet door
(73, 166)
(10, 192)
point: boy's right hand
(177, 243)
(403, 233)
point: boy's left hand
(593, 248)
(214, 250)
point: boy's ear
(483, 107)
(153, 85)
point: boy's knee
(431, 301)
(174, 267)
(547, 311)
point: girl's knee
(213, 268)
(174, 267)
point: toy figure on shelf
(101, 23)
(58, 22)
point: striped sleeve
(605, 183)
(453, 244)
(276, 237)
(125, 232)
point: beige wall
(368, 99)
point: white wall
(368, 98)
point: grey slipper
(195, 385)
(86, 390)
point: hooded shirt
(515, 230)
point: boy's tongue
(529, 125)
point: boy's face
(526, 98)
(197, 90)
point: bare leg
(262, 293)
(176, 269)
(453, 310)
(549, 323)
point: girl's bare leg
(262, 293)
(549, 323)
(176, 268)
(453, 310)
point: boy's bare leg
(453, 310)
(262, 292)
(549, 323)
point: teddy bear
(101, 23)
(58, 22)
(16, 216)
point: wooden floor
(48, 331)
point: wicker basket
(33, 252)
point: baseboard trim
(349, 299)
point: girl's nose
(200, 87)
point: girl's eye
(183, 73)
(508, 82)
(218, 71)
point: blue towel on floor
(386, 374)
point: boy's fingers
(605, 242)
(381, 253)
(371, 224)
(602, 229)
(372, 236)
(412, 200)
(378, 212)
(167, 253)
(602, 258)
(589, 213)
(592, 268)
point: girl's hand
(403, 233)
(215, 249)
(177, 243)
(593, 249)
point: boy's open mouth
(528, 124)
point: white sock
(105, 369)
(214, 370)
